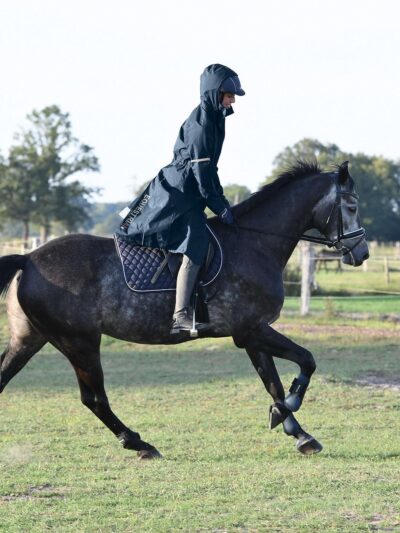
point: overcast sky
(128, 73)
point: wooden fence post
(386, 269)
(307, 275)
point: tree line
(377, 183)
(37, 186)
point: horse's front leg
(261, 351)
(266, 369)
(280, 346)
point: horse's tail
(9, 265)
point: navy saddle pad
(152, 269)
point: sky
(128, 73)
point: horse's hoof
(149, 454)
(308, 446)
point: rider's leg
(185, 283)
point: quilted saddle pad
(148, 269)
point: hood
(210, 82)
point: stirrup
(185, 323)
(199, 326)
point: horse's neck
(282, 219)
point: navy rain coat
(169, 214)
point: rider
(169, 214)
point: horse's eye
(353, 209)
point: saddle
(155, 270)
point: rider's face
(227, 99)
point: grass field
(369, 306)
(205, 409)
(359, 282)
(203, 406)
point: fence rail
(18, 246)
(306, 256)
(307, 259)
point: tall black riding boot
(185, 283)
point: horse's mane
(299, 171)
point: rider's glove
(226, 216)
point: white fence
(305, 254)
(19, 247)
(308, 259)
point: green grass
(205, 409)
(203, 406)
(358, 282)
(352, 291)
(369, 305)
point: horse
(71, 290)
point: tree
(39, 166)
(236, 193)
(16, 192)
(308, 150)
(377, 182)
(105, 218)
(73, 205)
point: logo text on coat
(133, 214)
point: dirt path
(379, 382)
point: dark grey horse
(71, 291)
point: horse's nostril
(366, 256)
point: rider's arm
(201, 142)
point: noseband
(341, 236)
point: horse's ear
(344, 172)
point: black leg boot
(185, 283)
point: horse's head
(337, 217)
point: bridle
(341, 236)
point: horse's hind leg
(93, 396)
(18, 352)
(24, 341)
(85, 360)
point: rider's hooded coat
(169, 214)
